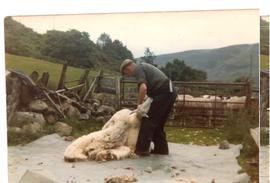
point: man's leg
(148, 125)
(159, 136)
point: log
(73, 102)
(53, 104)
(71, 88)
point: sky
(163, 32)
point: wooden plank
(71, 88)
(92, 87)
(194, 83)
(75, 103)
(53, 104)
(107, 90)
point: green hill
(221, 64)
(27, 65)
(23, 41)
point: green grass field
(27, 65)
(264, 62)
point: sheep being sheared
(116, 140)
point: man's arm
(142, 93)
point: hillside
(27, 65)
(221, 64)
(24, 41)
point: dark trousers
(152, 128)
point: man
(153, 83)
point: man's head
(128, 67)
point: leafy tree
(149, 56)
(121, 52)
(104, 40)
(179, 71)
(114, 49)
(72, 46)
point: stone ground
(264, 164)
(43, 160)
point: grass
(27, 65)
(264, 62)
(195, 136)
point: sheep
(212, 97)
(181, 97)
(116, 140)
(206, 103)
(235, 102)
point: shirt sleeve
(140, 76)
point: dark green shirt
(151, 76)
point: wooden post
(118, 92)
(83, 80)
(99, 78)
(61, 84)
(84, 76)
(248, 95)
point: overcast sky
(162, 32)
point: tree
(115, 49)
(104, 40)
(120, 51)
(149, 56)
(72, 47)
(179, 71)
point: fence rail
(124, 92)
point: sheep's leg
(113, 154)
(121, 152)
(76, 150)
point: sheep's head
(143, 109)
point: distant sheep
(206, 104)
(206, 101)
(116, 140)
(235, 102)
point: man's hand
(142, 93)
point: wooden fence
(212, 114)
(123, 94)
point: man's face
(129, 70)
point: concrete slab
(200, 163)
(37, 177)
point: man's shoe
(142, 153)
(159, 153)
